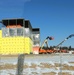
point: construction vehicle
(45, 50)
(57, 49)
(62, 50)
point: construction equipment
(63, 51)
(65, 39)
(47, 50)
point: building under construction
(17, 37)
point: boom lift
(44, 51)
(64, 51)
(55, 50)
(65, 39)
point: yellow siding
(28, 45)
(16, 45)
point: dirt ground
(41, 66)
(36, 68)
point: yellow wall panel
(15, 45)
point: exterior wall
(15, 45)
(28, 45)
(36, 40)
(36, 50)
(12, 45)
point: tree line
(63, 47)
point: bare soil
(42, 65)
(7, 66)
(64, 73)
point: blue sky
(53, 17)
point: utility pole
(20, 64)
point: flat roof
(13, 21)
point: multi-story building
(16, 37)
